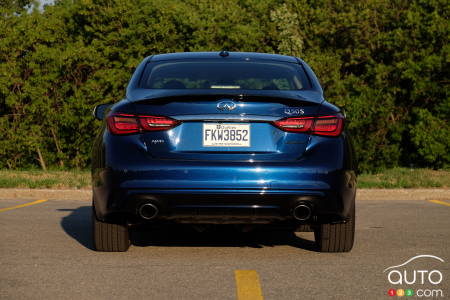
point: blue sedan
(238, 138)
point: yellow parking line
(247, 285)
(23, 205)
(440, 202)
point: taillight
(129, 124)
(324, 125)
(328, 125)
(122, 124)
(153, 123)
(295, 124)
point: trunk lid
(226, 126)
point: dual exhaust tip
(148, 211)
(302, 212)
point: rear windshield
(248, 75)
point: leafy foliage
(385, 62)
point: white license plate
(226, 135)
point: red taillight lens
(328, 125)
(128, 124)
(325, 125)
(295, 124)
(123, 124)
(152, 123)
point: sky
(44, 2)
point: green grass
(75, 179)
(37, 179)
(406, 178)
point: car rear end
(213, 139)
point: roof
(231, 55)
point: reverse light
(121, 124)
(323, 125)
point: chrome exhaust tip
(302, 212)
(148, 211)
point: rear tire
(109, 237)
(336, 237)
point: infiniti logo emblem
(226, 105)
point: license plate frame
(223, 135)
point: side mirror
(99, 110)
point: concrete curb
(362, 194)
(403, 194)
(49, 194)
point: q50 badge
(294, 111)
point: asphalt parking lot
(46, 253)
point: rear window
(224, 75)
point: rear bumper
(207, 190)
(231, 207)
(213, 195)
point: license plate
(226, 135)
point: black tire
(336, 237)
(109, 237)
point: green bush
(385, 62)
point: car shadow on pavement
(78, 225)
(218, 236)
